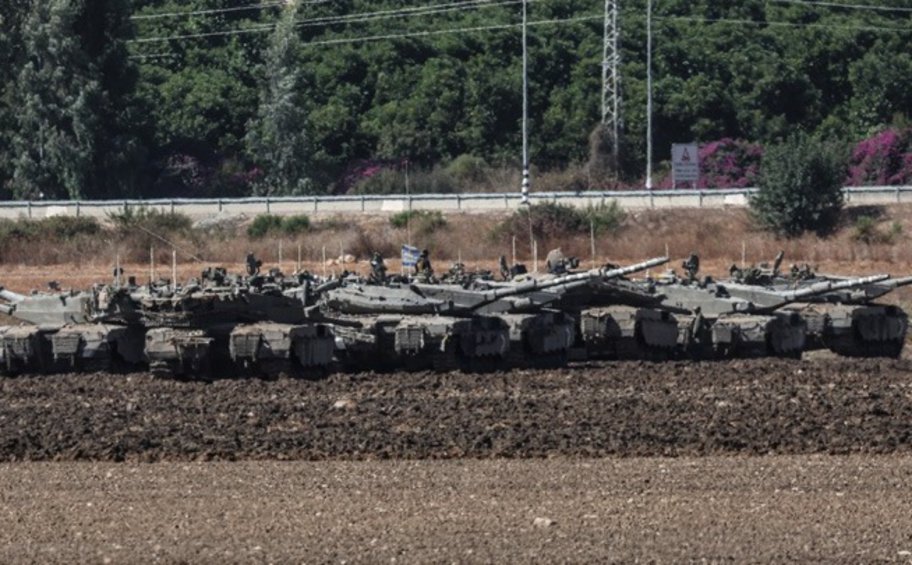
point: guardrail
(468, 202)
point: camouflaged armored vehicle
(615, 317)
(252, 325)
(847, 321)
(69, 331)
(730, 320)
(445, 326)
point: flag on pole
(410, 255)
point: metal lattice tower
(611, 77)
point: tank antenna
(592, 240)
(151, 264)
(324, 261)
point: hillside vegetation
(111, 98)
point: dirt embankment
(626, 409)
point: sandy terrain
(784, 508)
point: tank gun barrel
(566, 282)
(11, 296)
(829, 286)
(898, 283)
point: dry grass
(717, 235)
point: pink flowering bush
(884, 159)
(726, 163)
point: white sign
(685, 162)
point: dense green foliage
(800, 187)
(225, 102)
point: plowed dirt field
(766, 406)
(771, 460)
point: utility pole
(649, 95)
(525, 118)
(611, 94)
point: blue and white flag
(410, 255)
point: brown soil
(624, 409)
(852, 509)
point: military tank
(615, 317)
(69, 331)
(724, 320)
(252, 325)
(846, 321)
(448, 326)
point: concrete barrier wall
(390, 204)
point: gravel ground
(767, 406)
(851, 509)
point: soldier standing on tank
(378, 269)
(253, 264)
(423, 266)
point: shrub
(800, 187)
(467, 170)
(131, 218)
(606, 217)
(867, 231)
(55, 228)
(546, 219)
(423, 222)
(884, 159)
(296, 224)
(264, 224)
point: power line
(846, 6)
(372, 38)
(219, 10)
(347, 18)
(782, 24)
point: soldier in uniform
(253, 264)
(423, 266)
(378, 269)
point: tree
(10, 59)
(800, 187)
(74, 138)
(277, 138)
